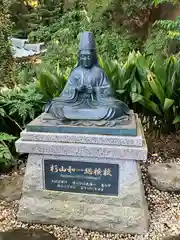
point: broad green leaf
(149, 104)
(121, 90)
(2, 112)
(176, 120)
(6, 137)
(13, 110)
(7, 155)
(58, 68)
(133, 86)
(126, 81)
(156, 87)
(142, 68)
(170, 67)
(49, 83)
(159, 70)
(168, 103)
(152, 106)
(139, 87)
(101, 62)
(136, 97)
(146, 90)
(170, 85)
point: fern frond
(6, 137)
(21, 103)
(5, 155)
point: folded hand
(80, 88)
(89, 89)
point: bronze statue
(87, 94)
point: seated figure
(87, 94)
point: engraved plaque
(81, 177)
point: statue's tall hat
(87, 41)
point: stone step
(82, 150)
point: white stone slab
(82, 150)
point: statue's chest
(90, 79)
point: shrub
(6, 156)
(62, 38)
(151, 88)
(50, 84)
(20, 105)
(5, 50)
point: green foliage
(165, 34)
(21, 104)
(18, 106)
(63, 38)
(171, 27)
(98, 8)
(18, 10)
(129, 7)
(6, 156)
(156, 44)
(151, 88)
(5, 51)
(45, 14)
(164, 39)
(54, 54)
(156, 2)
(23, 73)
(50, 84)
(128, 78)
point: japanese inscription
(81, 177)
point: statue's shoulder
(98, 70)
(76, 70)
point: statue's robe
(78, 105)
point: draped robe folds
(96, 104)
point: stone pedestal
(116, 206)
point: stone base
(122, 208)
(126, 212)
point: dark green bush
(5, 50)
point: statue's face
(86, 59)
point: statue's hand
(80, 88)
(89, 89)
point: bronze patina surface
(87, 94)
